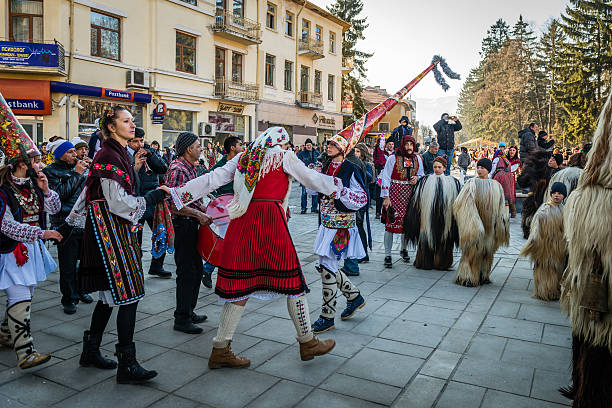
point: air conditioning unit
(206, 129)
(137, 79)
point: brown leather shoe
(315, 347)
(224, 357)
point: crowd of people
(98, 195)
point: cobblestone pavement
(420, 341)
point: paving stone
(362, 389)
(287, 364)
(373, 325)
(431, 315)
(557, 335)
(546, 385)
(421, 393)
(398, 293)
(537, 355)
(283, 394)
(498, 399)
(469, 321)
(544, 314)
(400, 348)
(513, 328)
(347, 343)
(494, 374)
(487, 346)
(276, 329)
(163, 335)
(227, 388)
(505, 309)
(450, 291)
(461, 395)
(35, 391)
(176, 369)
(110, 394)
(415, 333)
(441, 364)
(172, 401)
(446, 304)
(381, 366)
(70, 374)
(321, 398)
(456, 340)
(264, 351)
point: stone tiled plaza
(420, 341)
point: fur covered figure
(482, 220)
(547, 249)
(431, 225)
(535, 175)
(587, 284)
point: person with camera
(67, 176)
(148, 165)
(445, 129)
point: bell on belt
(595, 295)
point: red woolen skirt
(259, 256)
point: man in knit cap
(186, 223)
(81, 148)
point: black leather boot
(91, 355)
(129, 371)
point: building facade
(374, 95)
(205, 62)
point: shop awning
(107, 93)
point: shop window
(175, 122)
(304, 79)
(185, 53)
(332, 42)
(271, 17)
(317, 84)
(331, 84)
(288, 75)
(227, 125)
(219, 63)
(94, 109)
(289, 24)
(270, 67)
(236, 67)
(105, 35)
(26, 21)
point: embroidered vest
(333, 213)
(26, 215)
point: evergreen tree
(548, 48)
(352, 83)
(495, 39)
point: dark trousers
(68, 252)
(314, 199)
(379, 200)
(156, 264)
(188, 267)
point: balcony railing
(227, 89)
(40, 57)
(311, 47)
(348, 64)
(237, 28)
(310, 100)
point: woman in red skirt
(260, 259)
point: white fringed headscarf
(261, 156)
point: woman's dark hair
(110, 118)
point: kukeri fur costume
(535, 175)
(548, 251)
(482, 220)
(587, 284)
(429, 222)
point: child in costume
(24, 258)
(482, 220)
(546, 246)
(429, 223)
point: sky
(405, 34)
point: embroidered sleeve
(77, 215)
(52, 203)
(121, 203)
(18, 231)
(309, 178)
(353, 196)
(201, 186)
(386, 176)
(493, 167)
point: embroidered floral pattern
(114, 169)
(186, 197)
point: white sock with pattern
(300, 314)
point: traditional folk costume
(24, 258)
(587, 283)
(338, 238)
(429, 223)
(515, 164)
(535, 175)
(260, 259)
(547, 248)
(483, 226)
(503, 173)
(396, 175)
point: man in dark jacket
(399, 132)
(309, 156)
(148, 165)
(429, 156)
(543, 141)
(528, 140)
(446, 137)
(67, 178)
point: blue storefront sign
(87, 90)
(30, 54)
(26, 104)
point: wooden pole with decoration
(360, 128)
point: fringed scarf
(261, 156)
(111, 162)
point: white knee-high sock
(300, 314)
(230, 317)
